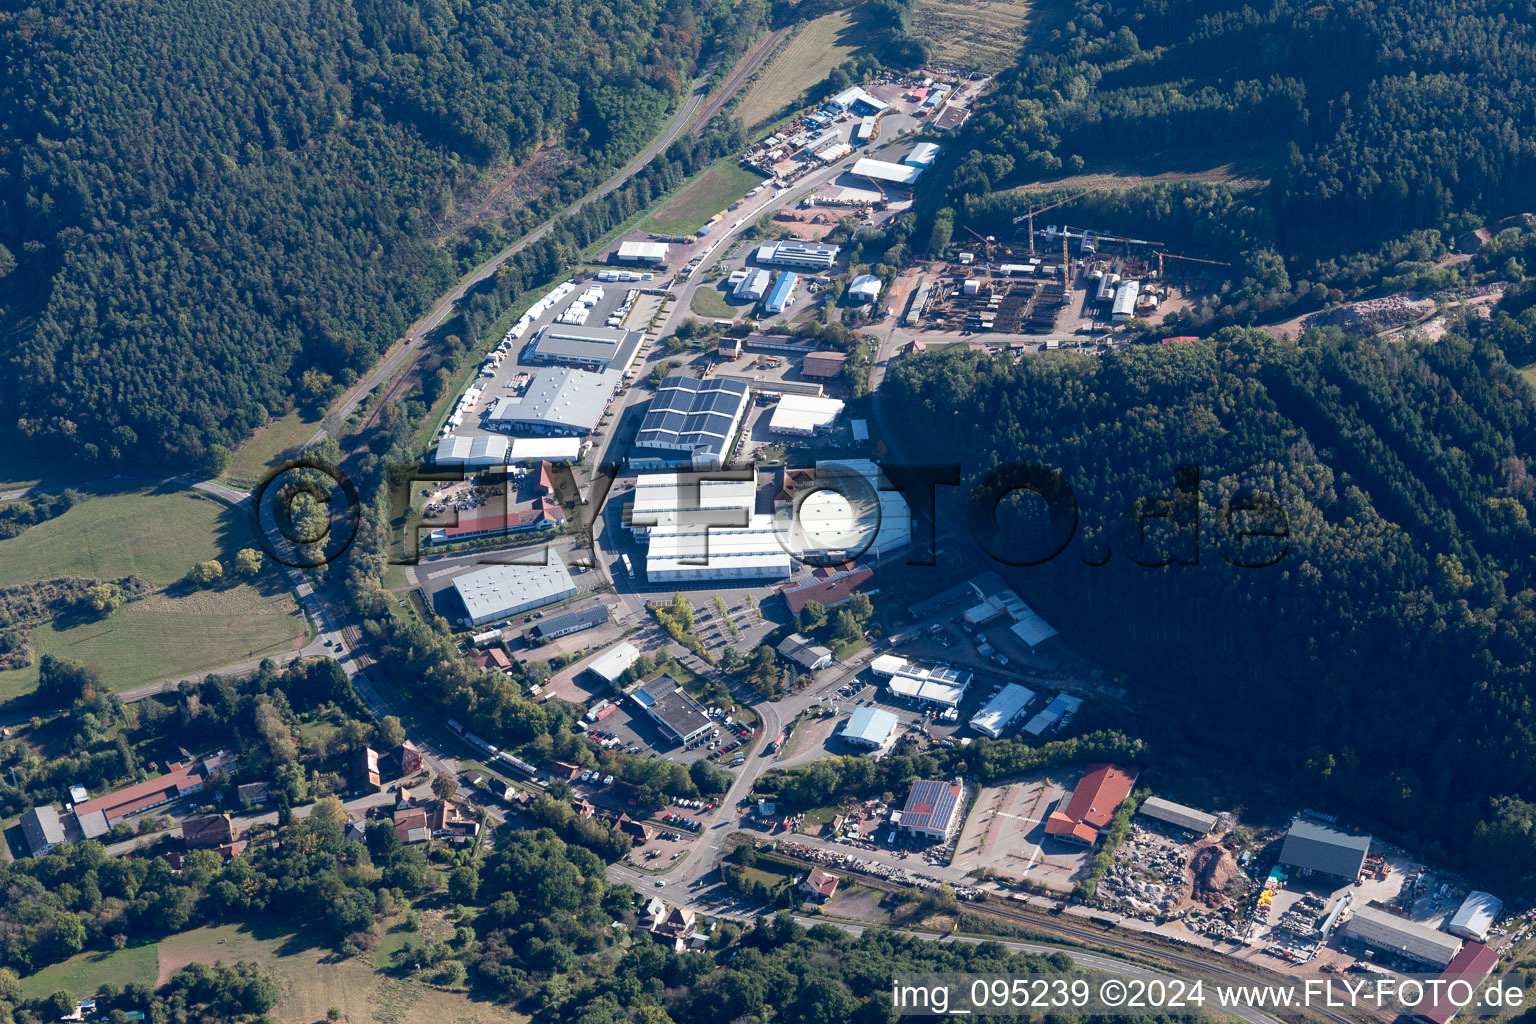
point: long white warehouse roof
(1001, 711)
(804, 414)
(884, 170)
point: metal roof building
(680, 716)
(1324, 849)
(1475, 916)
(1059, 708)
(923, 154)
(752, 286)
(884, 170)
(563, 401)
(571, 622)
(690, 422)
(781, 296)
(1413, 939)
(698, 553)
(589, 348)
(823, 364)
(1003, 710)
(501, 591)
(932, 808)
(544, 449)
(803, 416)
(642, 252)
(797, 254)
(1471, 966)
(1125, 301)
(611, 665)
(855, 98)
(1178, 815)
(805, 652)
(864, 288)
(454, 450)
(854, 511)
(683, 500)
(869, 727)
(940, 684)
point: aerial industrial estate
(656, 587)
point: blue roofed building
(782, 295)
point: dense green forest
(1384, 662)
(1370, 122)
(198, 204)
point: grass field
(266, 448)
(709, 194)
(311, 979)
(982, 35)
(157, 534)
(710, 302)
(164, 636)
(815, 49)
(83, 974)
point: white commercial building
(870, 727)
(589, 348)
(1475, 916)
(695, 554)
(543, 449)
(859, 101)
(752, 286)
(797, 254)
(923, 154)
(1125, 301)
(643, 252)
(1415, 940)
(560, 401)
(1063, 707)
(804, 415)
(677, 500)
(502, 591)
(849, 510)
(864, 288)
(471, 452)
(928, 684)
(885, 171)
(1003, 710)
(611, 665)
(691, 423)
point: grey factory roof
(1325, 849)
(1186, 818)
(571, 622)
(560, 399)
(687, 412)
(499, 590)
(1476, 915)
(562, 343)
(1003, 710)
(43, 828)
(665, 700)
(614, 662)
(1383, 931)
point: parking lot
(1005, 834)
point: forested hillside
(1374, 120)
(1385, 662)
(201, 201)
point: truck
(629, 566)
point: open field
(710, 302)
(709, 194)
(266, 448)
(1248, 169)
(83, 974)
(816, 48)
(164, 636)
(157, 534)
(312, 979)
(982, 35)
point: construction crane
(1029, 215)
(1188, 259)
(986, 243)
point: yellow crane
(1029, 215)
(986, 244)
(1188, 259)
